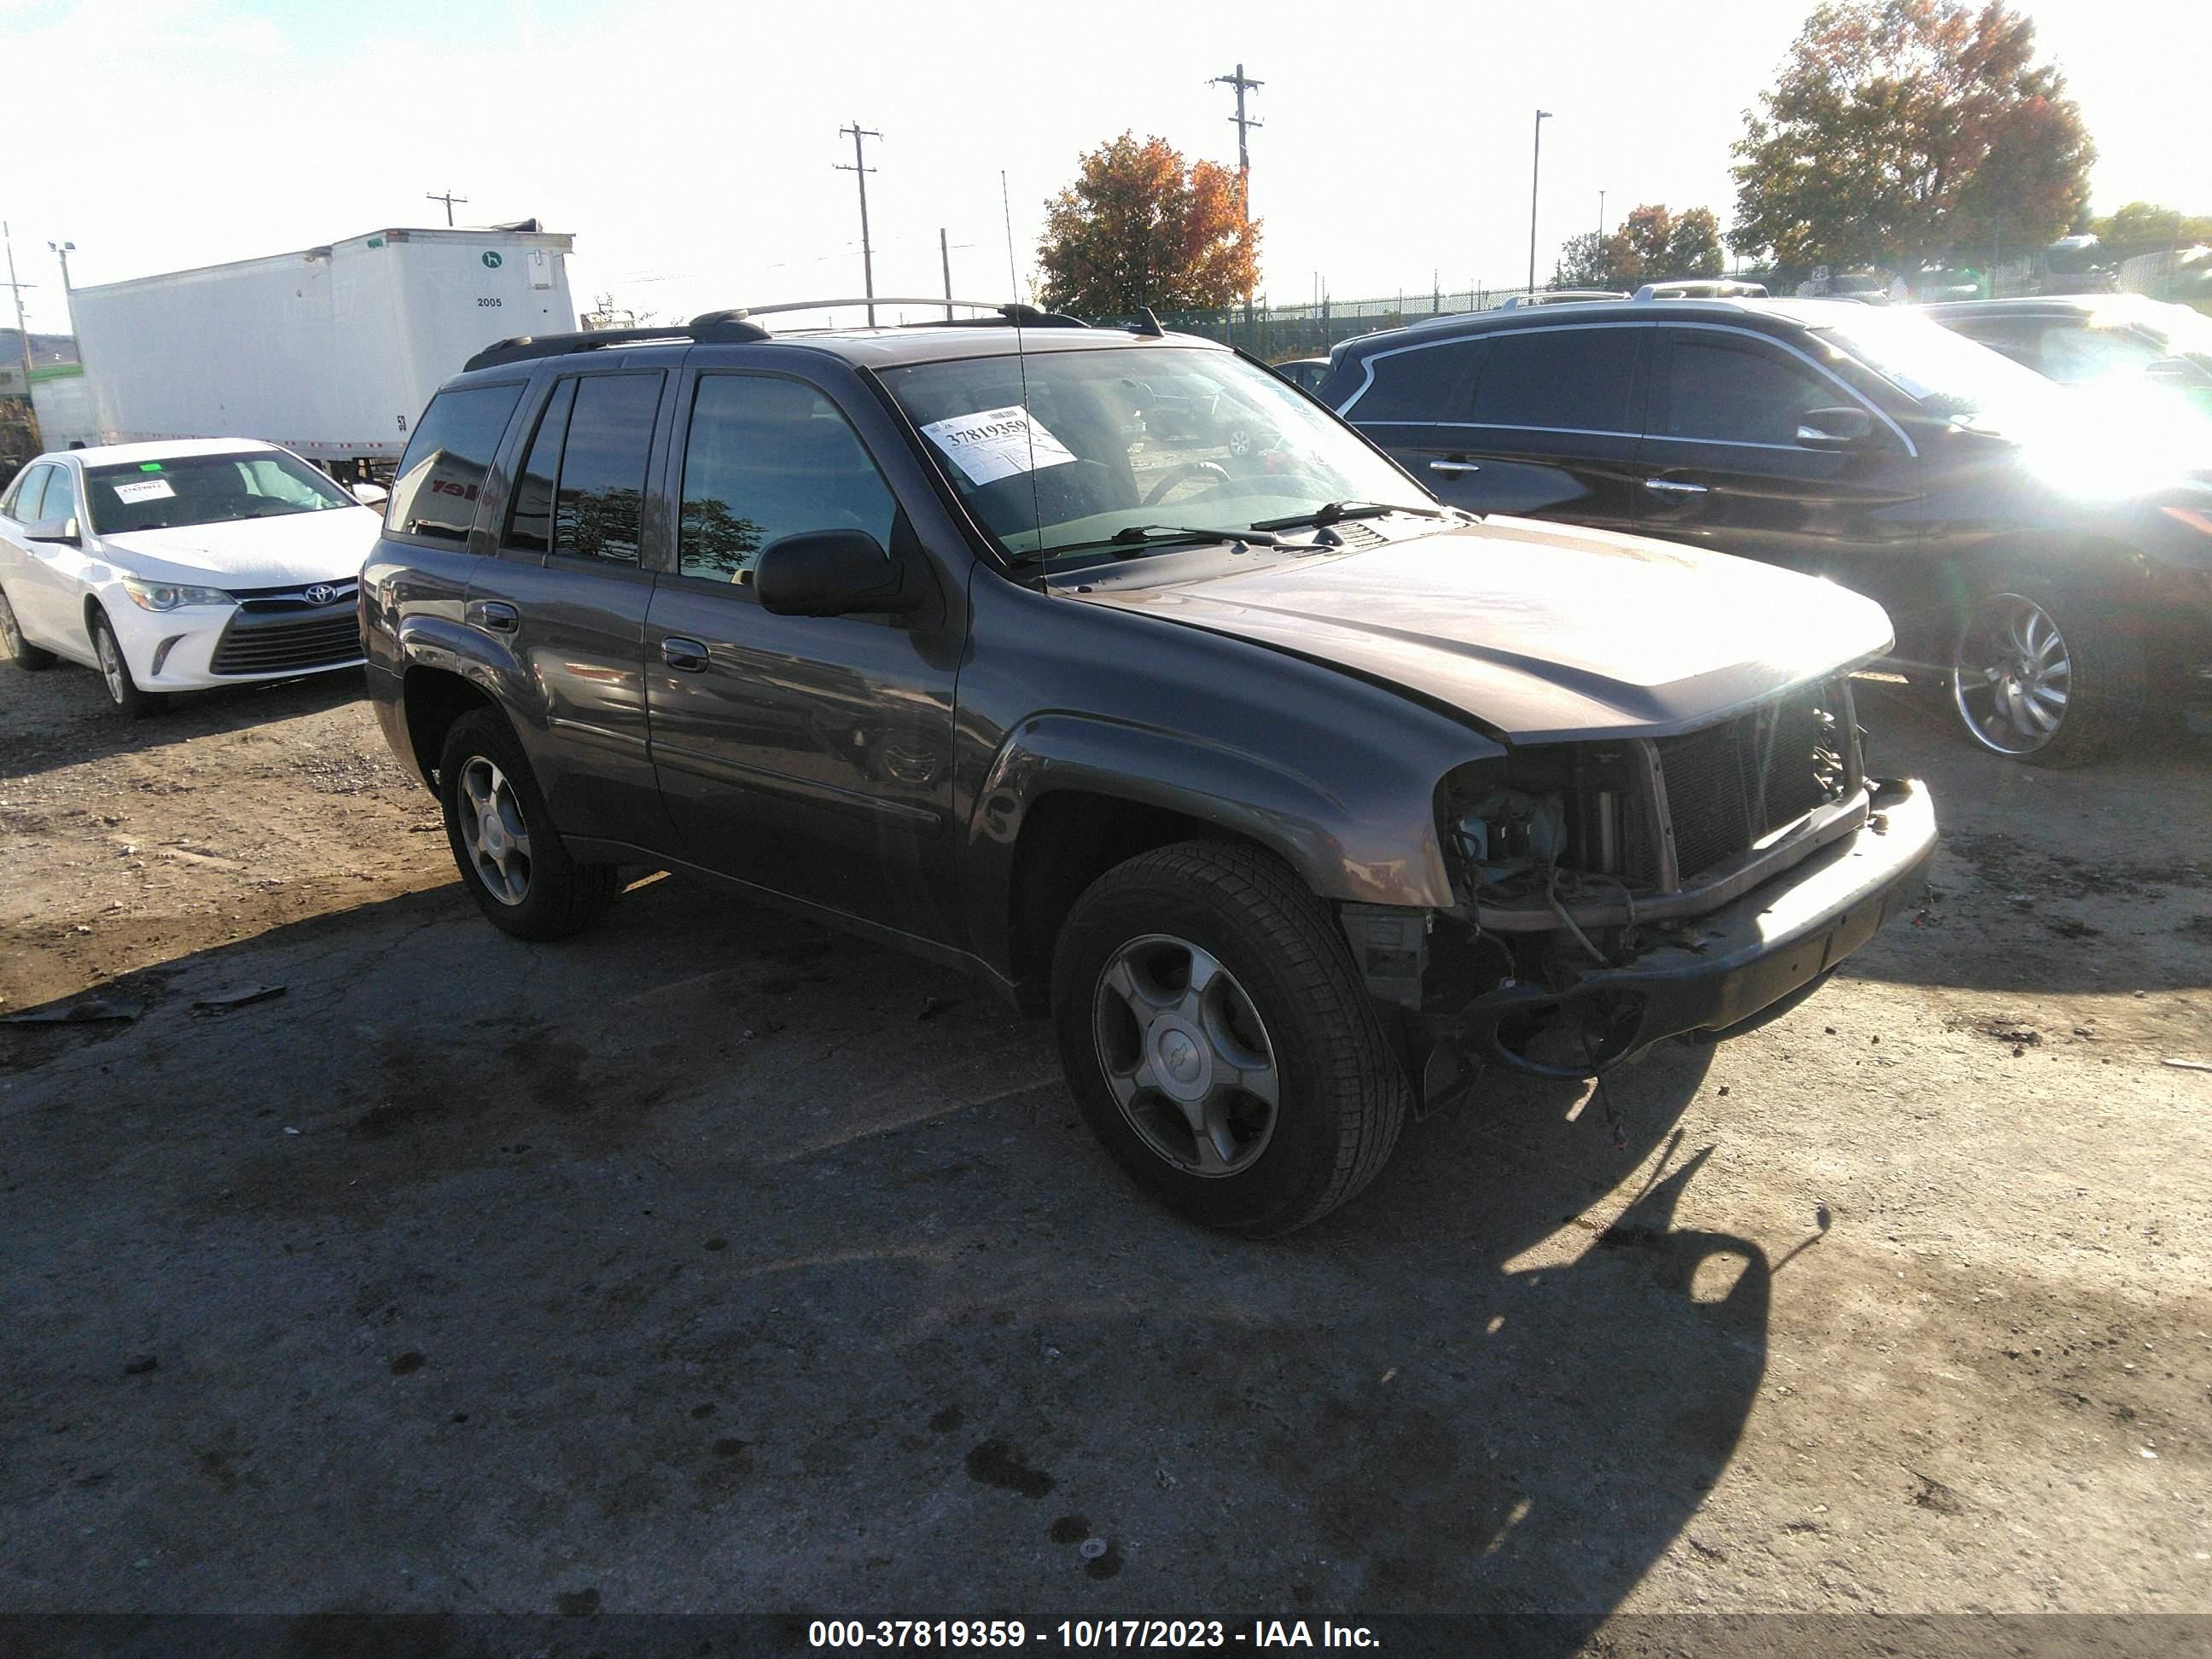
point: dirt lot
(715, 1263)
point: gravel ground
(716, 1262)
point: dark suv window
(442, 472)
(1725, 389)
(1575, 380)
(768, 458)
(597, 508)
(529, 524)
(1427, 383)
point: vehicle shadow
(63, 717)
(2078, 881)
(717, 1263)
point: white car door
(49, 605)
(23, 573)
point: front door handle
(498, 616)
(1454, 468)
(685, 656)
(1675, 487)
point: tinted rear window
(442, 472)
(1425, 383)
(596, 509)
(1575, 379)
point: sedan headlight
(168, 596)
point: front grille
(280, 641)
(1730, 784)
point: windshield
(189, 489)
(1056, 451)
(1946, 372)
(2188, 333)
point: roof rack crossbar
(715, 328)
(1028, 316)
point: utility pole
(22, 337)
(448, 198)
(1244, 123)
(861, 170)
(1601, 215)
(945, 257)
(1535, 165)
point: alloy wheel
(493, 830)
(2012, 678)
(1186, 1056)
(111, 667)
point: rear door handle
(1675, 487)
(1453, 467)
(685, 656)
(499, 616)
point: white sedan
(174, 566)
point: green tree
(1900, 127)
(2145, 227)
(1139, 227)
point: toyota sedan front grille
(282, 631)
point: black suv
(2051, 576)
(1296, 798)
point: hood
(1539, 633)
(282, 552)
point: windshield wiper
(1137, 536)
(1329, 512)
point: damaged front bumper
(1722, 968)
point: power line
(862, 168)
(448, 198)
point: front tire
(30, 658)
(115, 672)
(1220, 1042)
(511, 857)
(2041, 678)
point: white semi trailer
(330, 351)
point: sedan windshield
(191, 490)
(1059, 451)
(1947, 373)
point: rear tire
(30, 659)
(115, 673)
(2042, 677)
(1190, 982)
(511, 857)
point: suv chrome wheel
(493, 830)
(1186, 1056)
(2012, 677)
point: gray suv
(1299, 801)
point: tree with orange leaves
(1139, 228)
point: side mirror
(53, 530)
(834, 573)
(1833, 428)
(371, 495)
(2185, 372)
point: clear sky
(690, 146)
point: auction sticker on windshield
(997, 443)
(145, 490)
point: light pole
(62, 251)
(1601, 215)
(1535, 164)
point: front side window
(196, 489)
(442, 472)
(1570, 380)
(1724, 390)
(1060, 451)
(768, 458)
(60, 499)
(597, 509)
(23, 496)
(1422, 384)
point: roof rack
(1562, 296)
(715, 328)
(1026, 316)
(736, 327)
